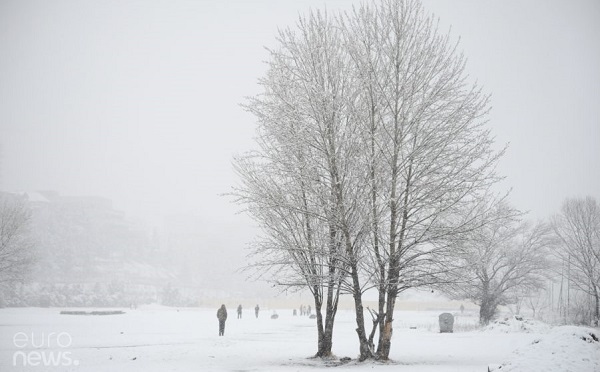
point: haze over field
(139, 102)
(428, 168)
(120, 123)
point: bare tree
(501, 261)
(299, 185)
(578, 229)
(15, 245)
(539, 302)
(429, 154)
(373, 155)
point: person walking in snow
(239, 311)
(222, 316)
(256, 309)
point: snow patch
(563, 349)
(517, 324)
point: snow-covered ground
(164, 339)
(566, 348)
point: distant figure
(462, 308)
(222, 316)
(239, 311)
(295, 312)
(308, 310)
(302, 310)
(256, 309)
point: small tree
(15, 245)
(502, 260)
(578, 229)
(538, 303)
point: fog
(138, 103)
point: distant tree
(578, 229)
(502, 261)
(170, 296)
(539, 302)
(15, 245)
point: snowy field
(164, 339)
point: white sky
(138, 101)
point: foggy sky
(138, 101)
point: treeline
(79, 251)
(110, 294)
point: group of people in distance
(305, 310)
(222, 316)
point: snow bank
(154, 338)
(517, 324)
(563, 349)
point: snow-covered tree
(298, 186)
(501, 261)
(15, 243)
(374, 155)
(578, 229)
(539, 302)
(429, 156)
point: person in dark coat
(239, 311)
(222, 316)
(256, 309)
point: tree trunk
(596, 321)
(487, 311)
(321, 341)
(333, 294)
(337, 194)
(325, 329)
(381, 310)
(325, 336)
(365, 351)
(378, 322)
(386, 335)
(327, 340)
(394, 264)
